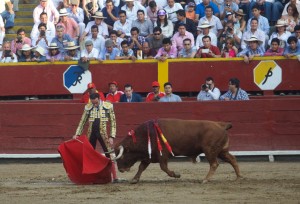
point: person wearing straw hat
(240, 22)
(72, 53)
(70, 25)
(39, 54)
(252, 50)
(253, 31)
(281, 33)
(131, 7)
(25, 53)
(102, 27)
(89, 53)
(217, 28)
(204, 29)
(54, 54)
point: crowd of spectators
(66, 30)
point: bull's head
(125, 158)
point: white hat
(281, 23)
(53, 46)
(26, 47)
(40, 50)
(98, 14)
(205, 24)
(63, 12)
(71, 46)
(253, 38)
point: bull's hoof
(177, 175)
(134, 181)
(239, 178)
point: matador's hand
(75, 137)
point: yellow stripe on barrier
(162, 73)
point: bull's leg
(213, 165)
(143, 165)
(227, 157)
(164, 166)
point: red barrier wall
(265, 124)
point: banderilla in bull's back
(180, 137)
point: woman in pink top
(229, 50)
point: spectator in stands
(114, 95)
(280, 33)
(189, 24)
(171, 10)
(131, 7)
(135, 41)
(191, 13)
(263, 23)
(89, 53)
(253, 31)
(200, 9)
(123, 25)
(102, 27)
(113, 35)
(76, 13)
(169, 96)
(229, 50)
(217, 28)
(234, 92)
(294, 2)
(252, 50)
(167, 51)
(226, 7)
(177, 39)
(19, 41)
(155, 95)
(166, 25)
(54, 53)
(41, 39)
(61, 39)
(110, 52)
(240, 22)
(7, 56)
(2, 31)
(148, 52)
(129, 95)
(297, 33)
(48, 8)
(90, 8)
(50, 32)
(208, 50)
(39, 55)
(111, 13)
(244, 8)
(72, 53)
(155, 41)
(8, 15)
(189, 50)
(98, 40)
(91, 88)
(25, 53)
(208, 91)
(145, 26)
(275, 49)
(69, 24)
(291, 18)
(204, 29)
(125, 53)
(152, 10)
(231, 32)
(293, 49)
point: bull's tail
(225, 125)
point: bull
(186, 137)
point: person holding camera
(155, 95)
(41, 39)
(231, 32)
(208, 91)
(7, 56)
(19, 41)
(208, 50)
(226, 7)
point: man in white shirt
(131, 7)
(7, 15)
(89, 53)
(2, 30)
(217, 28)
(208, 91)
(253, 31)
(7, 55)
(205, 30)
(40, 38)
(98, 40)
(171, 9)
(46, 7)
(123, 25)
(50, 32)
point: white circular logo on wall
(267, 75)
(76, 79)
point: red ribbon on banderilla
(169, 148)
(131, 133)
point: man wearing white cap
(205, 28)
(48, 8)
(131, 7)
(70, 25)
(102, 27)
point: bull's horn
(121, 148)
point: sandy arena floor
(264, 182)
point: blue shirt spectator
(200, 9)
